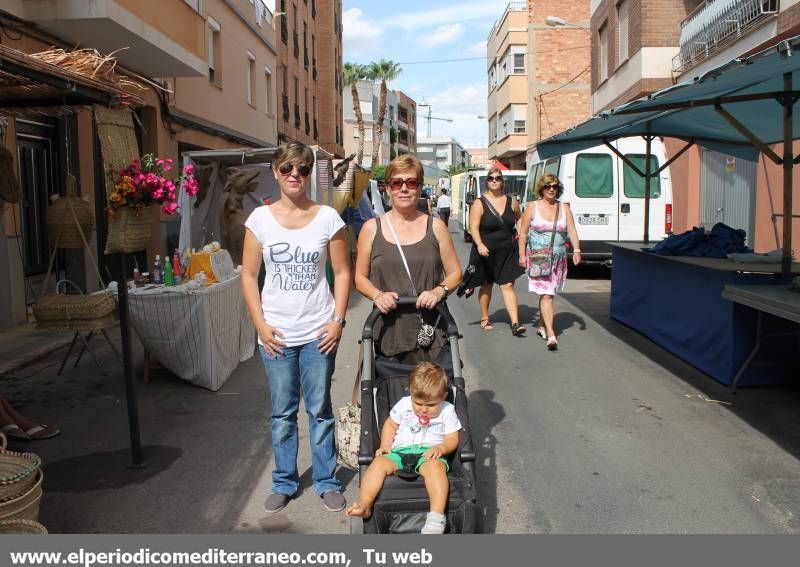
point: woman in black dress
(492, 223)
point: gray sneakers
(333, 501)
(276, 502)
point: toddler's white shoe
(434, 523)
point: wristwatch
(339, 320)
(445, 288)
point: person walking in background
(299, 321)
(443, 207)
(428, 267)
(536, 227)
(492, 223)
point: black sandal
(517, 330)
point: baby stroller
(402, 504)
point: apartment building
(442, 153)
(399, 136)
(508, 60)
(212, 66)
(479, 157)
(560, 68)
(309, 38)
(640, 46)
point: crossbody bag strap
(555, 223)
(402, 255)
(491, 208)
(405, 263)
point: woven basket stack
(20, 491)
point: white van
(474, 182)
(607, 196)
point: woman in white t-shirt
(299, 321)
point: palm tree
(351, 74)
(383, 71)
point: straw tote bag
(348, 423)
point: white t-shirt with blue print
(296, 298)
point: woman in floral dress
(537, 224)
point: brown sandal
(486, 325)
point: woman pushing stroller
(421, 430)
(402, 253)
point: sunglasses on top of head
(494, 178)
(287, 168)
(397, 183)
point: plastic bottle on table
(169, 281)
(158, 273)
(177, 269)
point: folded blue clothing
(721, 241)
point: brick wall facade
(560, 74)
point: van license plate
(593, 219)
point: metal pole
(648, 146)
(137, 457)
(788, 162)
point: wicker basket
(130, 230)
(75, 312)
(25, 506)
(22, 527)
(17, 471)
(62, 229)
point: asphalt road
(610, 434)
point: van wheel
(467, 237)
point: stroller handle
(452, 329)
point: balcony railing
(512, 7)
(715, 24)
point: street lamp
(555, 22)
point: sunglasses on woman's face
(552, 186)
(397, 183)
(494, 178)
(287, 168)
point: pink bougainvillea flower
(170, 207)
(188, 169)
(158, 194)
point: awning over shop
(740, 109)
(30, 82)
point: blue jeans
(305, 367)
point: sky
(425, 37)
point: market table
(676, 301)
(773, 299)
(200, 335)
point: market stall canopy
(739, 109)
(747, 89)
(62, 78)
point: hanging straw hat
(9, 186)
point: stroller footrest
(466, 456)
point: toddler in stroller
(401, 489)
(421, 430)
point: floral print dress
(539, 237)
